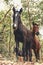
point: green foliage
(5, 34)
(6, 1)
(1, 15)
(35, 11)
(41, 5)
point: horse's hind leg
(30, 54)
(23, 54)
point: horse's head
(16, 18)
(36, 28)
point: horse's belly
(20, 39)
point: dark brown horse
(22, 34)
(35, 41)
(36, 45)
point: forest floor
(20, 61)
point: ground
(20, 61)
(4, 62)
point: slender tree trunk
(4, 27)
(10, 41)
(29, 15)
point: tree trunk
(29, 15)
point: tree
(34, 9)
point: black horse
(22, 34)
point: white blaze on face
(15, 25)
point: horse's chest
(19, 36)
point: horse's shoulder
(23, 28)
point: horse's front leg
(38, 55)
(35, 51)
(24, 48)
(17, 48)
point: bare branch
(5, 15)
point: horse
(22, 34)
(27, 37)
(36, 43)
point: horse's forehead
(35, 26)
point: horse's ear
(13, 9)
(20, 10)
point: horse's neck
(33, 33)
(20, 26)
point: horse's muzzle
(14, 26)
(37, 33)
